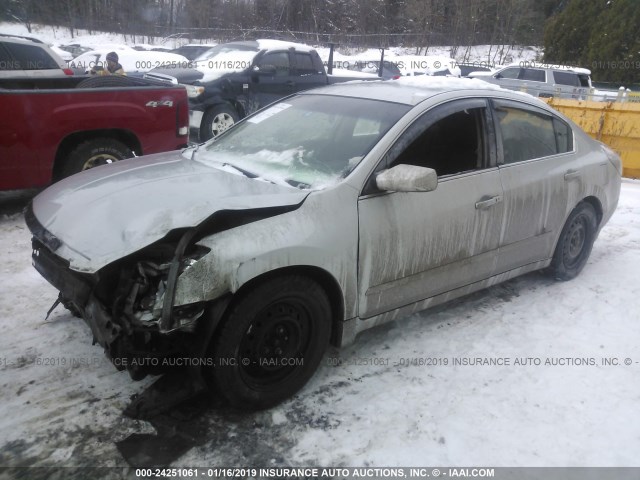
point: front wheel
(217, 120)
(93, 153)
(575, 243)
(271, 342)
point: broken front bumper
(76, 290)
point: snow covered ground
(395, 398)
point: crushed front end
(129, 304)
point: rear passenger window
(533, 75)
(31, 58)
(6, 63)
(566, 78)
(564, 136)
(304, 64)
(584, 80)
(526, 135)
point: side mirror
(407, 178)
(265, 70)
(497, 75)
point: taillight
(67, 71)
(182, 119)
(395, 77)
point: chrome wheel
(99, 159)
(221, 123)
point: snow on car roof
(199, 45)
(343, 72)
(549, 66)
(411, 90)
(225, 62)
(266, 44)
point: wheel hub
(274, 341)
(575, 242)
(99, 159)
(221, 123)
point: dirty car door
(308, 71)
(541, 176)
(272, 78)
(416, 245)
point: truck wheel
(271, 342)
(217, 120)
(92, 153)
(575, 243)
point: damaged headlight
(146, 298)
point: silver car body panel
(314, 235)
(391, 253)
(109, 212)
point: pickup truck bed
(53, 127)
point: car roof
(20, 39)
(413, 90)
(269, 45)
(207, 45)
(549, 66)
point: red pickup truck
(54, 127)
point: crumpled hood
(109, 212)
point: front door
(269, 87)
(413, 246)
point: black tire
(575, 242)
(93, 153)
(217, 120)
(270, 343)
(108, 81)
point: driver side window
(279, 60)
(450, 145)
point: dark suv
(29, 57)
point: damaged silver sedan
(319, 217)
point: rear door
(568, 83)
(308, 71)
(530, 80)
(416, 245)
(540, 176)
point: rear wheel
(217, 120)
(93, 153)
(271, 342)
(575, 243)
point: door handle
(482, 204)
(571, 174)
(290, 83)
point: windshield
(226, 48)
(309, 141)
(192, 52)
